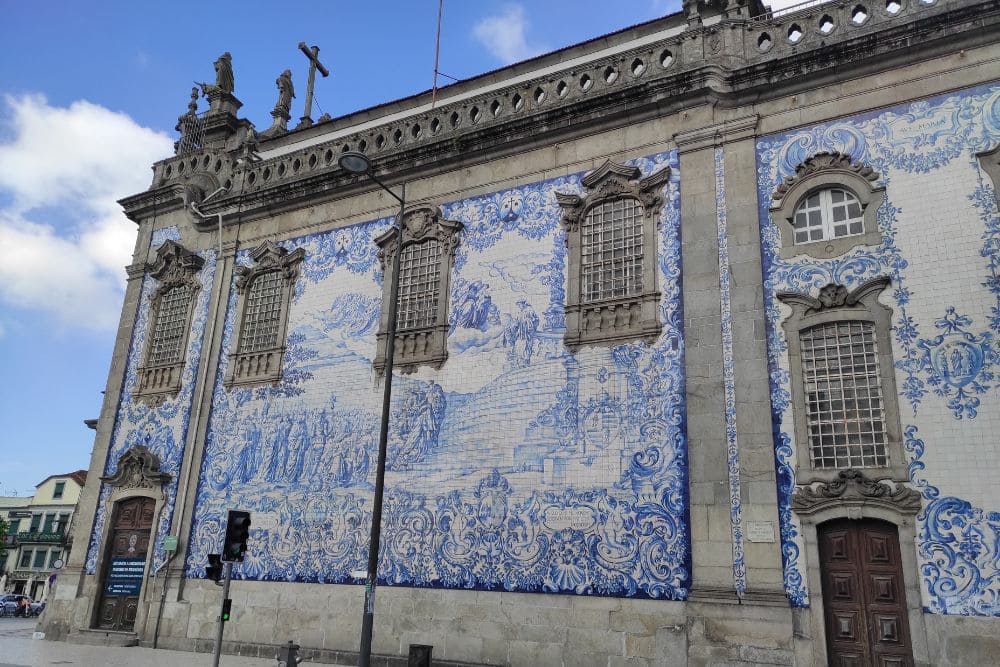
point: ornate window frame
(262, 366)
(989, 161)
(427, 345)
(612, 321)
(853, 495)
(174, 267)
(823, 171)
(837, 304)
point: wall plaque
(760, 531)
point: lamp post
(358, 163)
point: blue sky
(89, 96)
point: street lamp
(358, 163)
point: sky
(89, 97)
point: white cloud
(503, 35)
(65, 238)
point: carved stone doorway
(864, 598)
(125, 564)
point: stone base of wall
(469, 628)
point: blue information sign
(125, 576)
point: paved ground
(18, 649)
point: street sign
(125, 576)
(170, 543)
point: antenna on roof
(437, 54)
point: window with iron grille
(262, 314)
(843, 384)
(424, 244)
(170, 327)
(843, 392)
(611, 251)
(612, 241)
(171, 309)
(264, 287)
(419, 284)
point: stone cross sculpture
(314, 64)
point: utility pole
(223, 613)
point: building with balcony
(696, 358)
(39, 533)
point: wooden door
(864, 600)
(125, 563)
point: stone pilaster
(711, 528)
(194, 448)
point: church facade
(695, 360)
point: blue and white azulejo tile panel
(162, 429)
(516, 466)
(941, 248)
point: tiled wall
(162, 429)
(941, 249)
(516, 466)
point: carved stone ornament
(426, 345)
(138, 468)
(853, 488)
(267, 257)
(174, 264)
(824, 162)
(611, 181)
(834, 296)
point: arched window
(262, 314)
(169, 330)
(425, 246)
(611, 237)
(827, 207)
(265, 293)
(170, 312)
(827, 214)
(843, 387)
(419, 285)
(611, 251)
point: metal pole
(368, 619)
(228, 571)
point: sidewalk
(18, 649)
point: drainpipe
(197, 211)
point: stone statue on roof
(223, 76)
(285, 93)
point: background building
(40, 533)
(697, 357)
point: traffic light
(237, 532)
(213, 570)
(227, 607)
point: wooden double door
(125, 563)
(864, 597)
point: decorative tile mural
(516, 466)
(940, 248)
(729, 376)
(163, 429)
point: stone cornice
(735, 129)
(719, 64)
